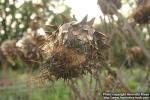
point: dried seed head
(141, 14)
(10, 51)
(30, 48)
(73, 50)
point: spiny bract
(72, 50)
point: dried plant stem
(127, 27)
(77, 92)
(86, 89)
(97, 92)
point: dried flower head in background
(72, 50)
(105, 9)
(10, 51)
(141, 14)
(133, 55)
(29, 45)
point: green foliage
(57, 92)
(17, 18)
(20, 90)
(134, 78)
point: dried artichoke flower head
(8, 47)
(72, 49)
(77, 35)
(141, 14)
(30, 48)
(10, 51)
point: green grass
(134, 78)
(57, 92)
(21, 91)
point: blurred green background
(18, 18)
